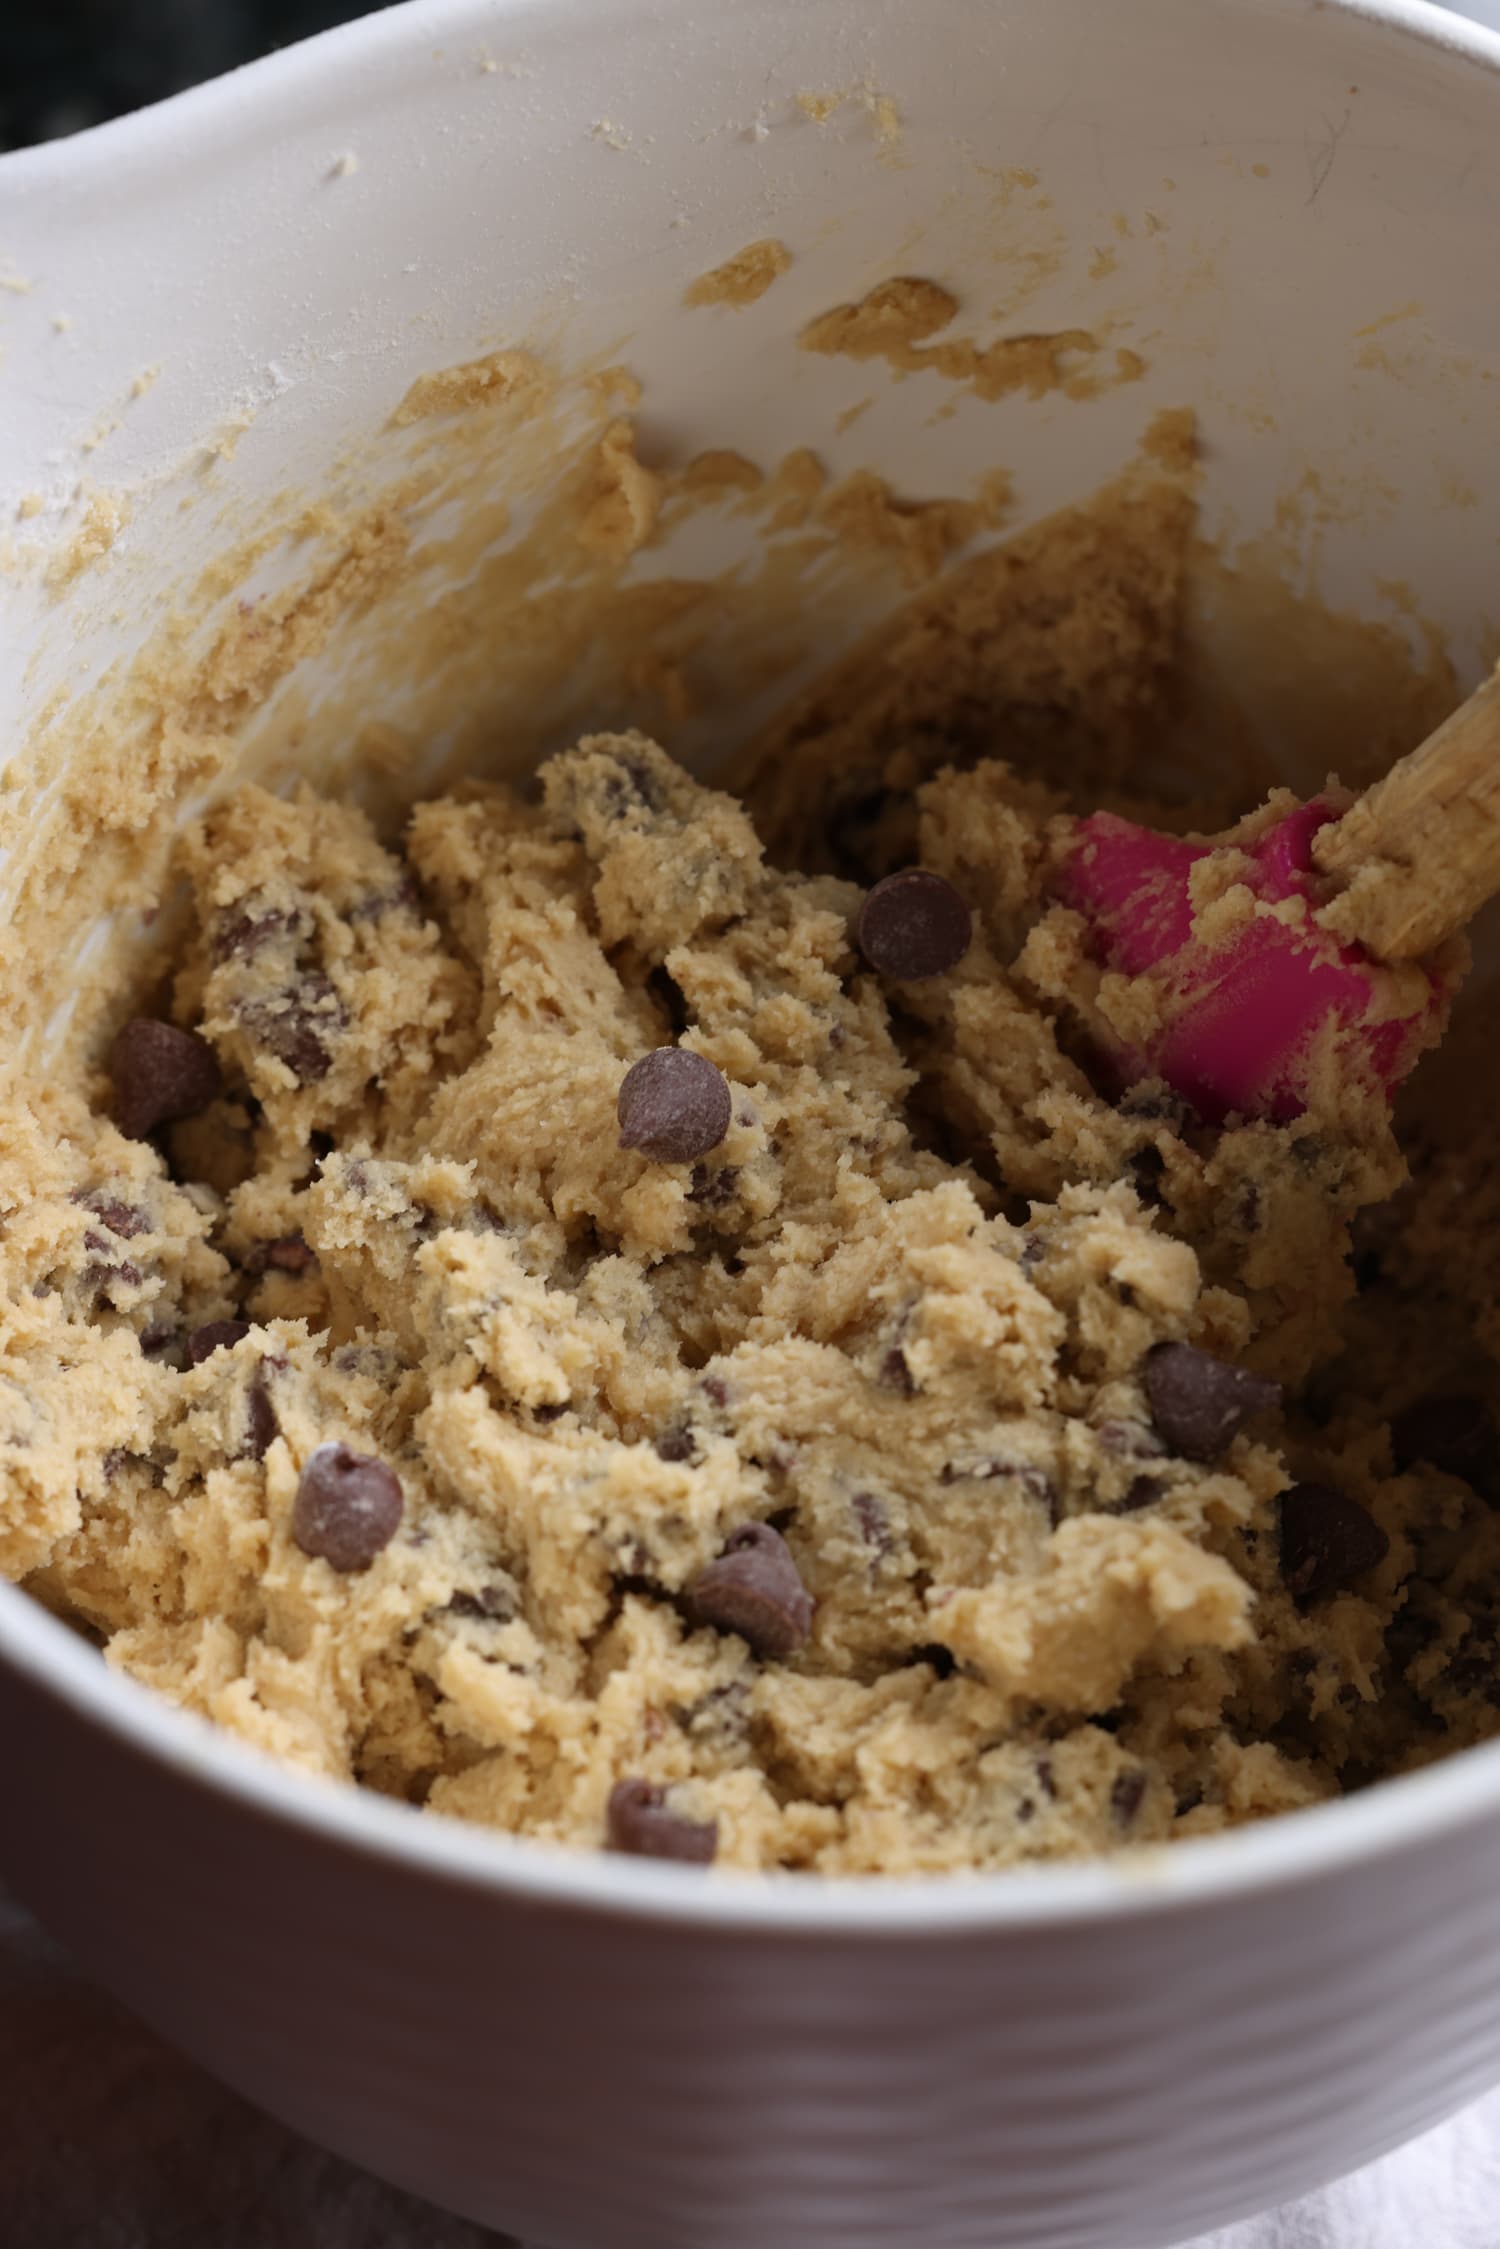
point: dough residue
(743, 279)
(893, 321)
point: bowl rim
(296, 79)
(1414, 1810)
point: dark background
(69, 63)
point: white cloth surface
(1440, 2192)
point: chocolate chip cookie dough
(559, 1319)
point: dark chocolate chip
(1126, 1796)
(549, 1411)
(711, 1190)
(240, 933)
(288, 1254)
(494, 1604)
(716, 1390)
(1327, 1541)
(912, 925)
(159, 1073)
(101, 1278)
(125, 1219)
(347, 1508)
(673, 1105)
(1143, 1491)
(675, 1445)
(1454, 1433)
(298, 1026)
(1198, 1402)
(874, 1525)
(640, 1825)
(261, 1425)
(896, 1374)
(753, 1589)
(215, 1335)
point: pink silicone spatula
(1332, 954)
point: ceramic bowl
(1291, 208)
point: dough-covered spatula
(1303, 942)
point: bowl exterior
(1296, 189)
(592, 2080)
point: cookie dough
(866, 1448)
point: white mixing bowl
(1300, 203)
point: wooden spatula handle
(1420, 852)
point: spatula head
(1250, 1011)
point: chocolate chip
(159, 1073)
(640, 1825)
(711, 1190)
(753, 1589)
(1143, 1491)
(347, 1507)
(673, 1105)
(240, 934)
(912, 925)
(1327, 1540)
(298, 1026)
(1126, 1797)
(896, 1374)
(675, 1445)
(101, 1278)
(1456, 1434)
(215, 1335)
(716, 1390)
(262, 1427)
(125, 1219)
(1198, 1402)
(874, 1525)
(493, 1604)
(288, 1254)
